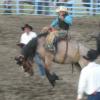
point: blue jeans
(40, 64)
(94, 96)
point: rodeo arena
(49, 49)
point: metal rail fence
(47, 7)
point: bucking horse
(67, 51)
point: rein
(66, 39)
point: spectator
(22, 4)
(25, 39)
(46, 7)
(39, 6)
(27, 35)
(70, 4)
(7, 6)
(89, 81)
(87, 1)
(60, 2)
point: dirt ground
(14, 84)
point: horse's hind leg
(52, 77)
(40, 64)
(82, 62)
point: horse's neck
(41, 41)
(70, 51)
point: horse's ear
(19, 59)
(20, 45)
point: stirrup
(50, 48)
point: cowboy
(63, 20)
(62, 24)
(27, 35)
(89, 81)
(28, 40)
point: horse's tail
(94, 53)
(30, 49)
(98, 43)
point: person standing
(25, 39)
(27, 34)
(61, 23)
(7, 6)
(38, 6)
(89, 81)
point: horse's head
(26, 63)
(20, 59)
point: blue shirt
(68, 19)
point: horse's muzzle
(19, 60)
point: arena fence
(47, 7)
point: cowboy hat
(61, 8)
(27, 26)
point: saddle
(49, 40)
(53, 38)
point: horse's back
(68, 51)
(72, 50)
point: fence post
(91, 7)
(17, 7)
(36, 6)
(73, 7)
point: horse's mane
(42, 34)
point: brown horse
(68, 51)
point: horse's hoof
(53, 83)
(30, 72)
(19, 60)
(55, 76)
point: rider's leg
(40, 64)
(44, 71)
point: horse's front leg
(39, 61)
(48, 60)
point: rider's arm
(68, 19)
(54, 23)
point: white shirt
(89, 81)
(25, 38)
